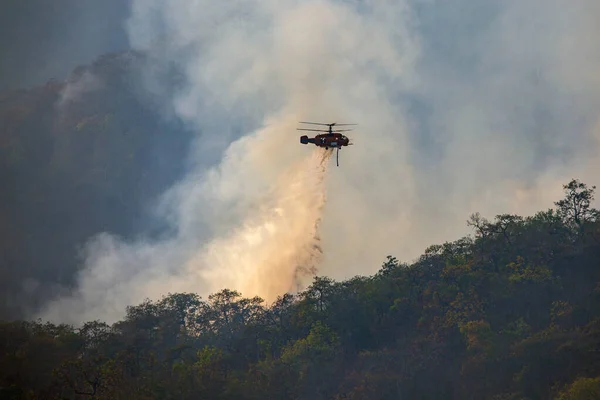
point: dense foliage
(77, 158)
(510, 313)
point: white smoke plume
(463, 107)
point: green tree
(575, 208)
(582, 389)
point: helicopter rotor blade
(323, 130)
(320, 123)
(312, 130)
(315, 123)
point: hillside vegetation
(510, 313)
(77, 158)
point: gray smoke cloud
(41, 40)
(463, 107)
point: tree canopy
(512, 312)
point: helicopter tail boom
(305, 139)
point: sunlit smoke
(461, 108)
(278, 243)
(272, 247)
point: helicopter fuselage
(327, 140)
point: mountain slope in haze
(77, 158)
(512, 313)
(40, 39)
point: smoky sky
(463, 107)
(45, 39)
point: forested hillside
(77, 158)
(512, 312)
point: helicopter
(328, 140)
